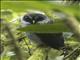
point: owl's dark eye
(27, 19)
(39, 17)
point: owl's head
(35, 18)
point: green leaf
(46, 28)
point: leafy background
(11, 10)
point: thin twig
(71, 53)
(29, 50)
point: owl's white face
(34, 19)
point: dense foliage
(15, 45)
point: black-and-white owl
(53, 40)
